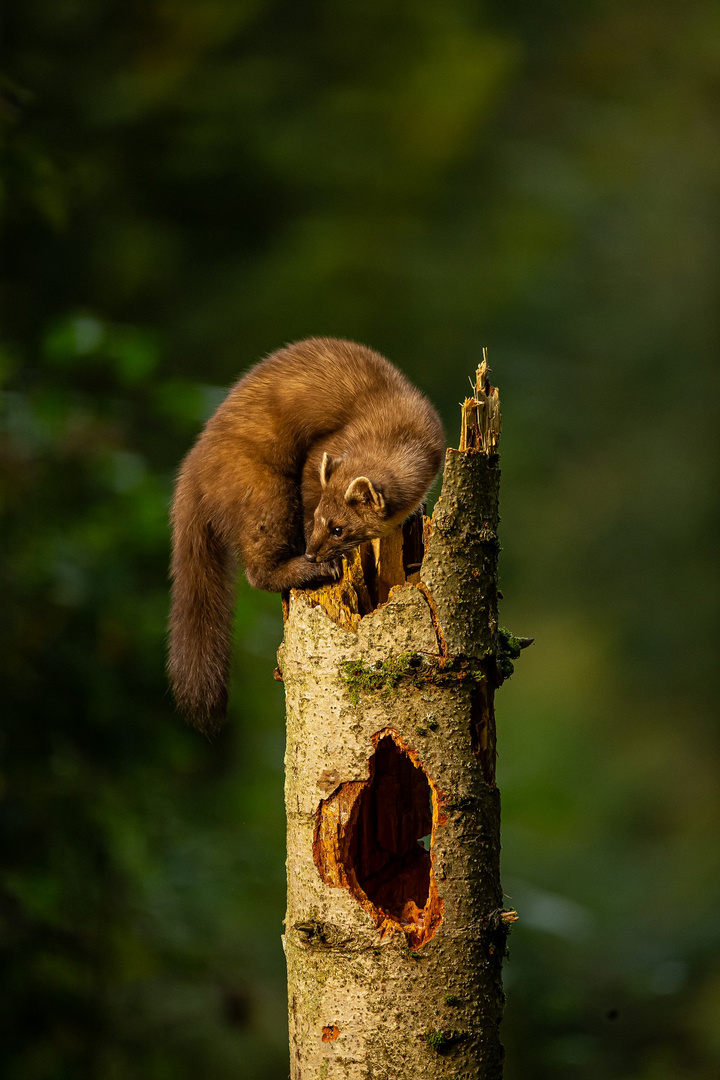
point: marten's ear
(361, 490)
(327, 467)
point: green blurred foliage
(184, 188)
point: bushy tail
(203, 595)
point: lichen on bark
(395, 929)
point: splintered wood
(480, 422)
(370, 573)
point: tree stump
(395, 931)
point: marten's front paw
(337, 569)
(333, 570)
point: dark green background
(187, 186)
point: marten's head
(351, 510)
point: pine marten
(318, 448)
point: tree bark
(395, 931)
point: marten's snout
(310, 558)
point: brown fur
(324, 435)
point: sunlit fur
(323, 434)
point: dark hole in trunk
(389, 845)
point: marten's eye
(336, 530)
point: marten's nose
(309, 557)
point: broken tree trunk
(395, 931)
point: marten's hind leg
(294, 573)
(273, 543)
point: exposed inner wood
(482, 724)
(389, 561)
(347, 600)
(370, 572)
(413, 548)
(374, 838)
(391, 863)
(480, 419)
